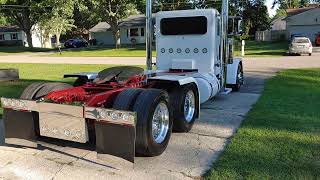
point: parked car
(300, 45)
(75, 43)
(317, 42)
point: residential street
(188, 155)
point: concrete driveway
(188, 155)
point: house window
(2, 37)
(127, 32)
(14, 36)
(134, 32)
(142, 31)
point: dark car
(75, 43)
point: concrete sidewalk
(188, 155)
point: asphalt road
(188, 155)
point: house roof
(295, 11)
(9, 29)
(100, 27)
(278, 19)
(135, 20)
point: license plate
(300, 46)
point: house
(304, 21)
(102, 34)
(278, 24)
(132, 30)
(14, 36)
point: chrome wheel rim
(160, 123)
(240, 77)
(189, 106)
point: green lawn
(41, 72)
(15, 50)
(252, 48)
(280, 137)
(138, 51)
(260, 49)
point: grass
(138, 51)
(261, 49)
(15, 50)
(30, 73)
(280, 137)
(252, 49)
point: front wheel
(239, 80)
(310, 54)
(154, 122)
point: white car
(300, 45)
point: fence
(271, 35)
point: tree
(23, 13)
(255, 17)
(84, 17)
(60, 19)
(112, 11)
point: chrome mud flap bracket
(115, 132)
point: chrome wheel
(240, 77)
(189, 106)
(160, 123)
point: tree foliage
(25, 14)
(60, 19)
(255, 17)
(113, 11)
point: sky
(272, 12)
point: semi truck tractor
(125, 111)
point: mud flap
(115, 139)
(22, 125)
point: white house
(132, 30)
(304, 21)
(14, 36)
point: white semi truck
(126, 111)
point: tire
(50, 87)
(126, 99)
(30, 91)
(125, 72)
(310, 54)
(236, 87)
(80, 81)
(146, 104)
(181, 123)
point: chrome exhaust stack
(149, 34)
(224, 40)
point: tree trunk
(58, 40)
(29, 38)
(116, 38)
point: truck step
(226, 91)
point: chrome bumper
(68, 122)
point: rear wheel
(50, 87)
(30, 92)
(126, 99)
(186, 103)
(154, 122)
